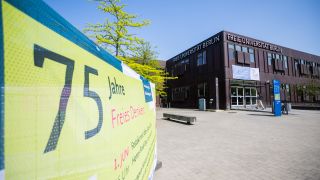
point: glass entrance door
(237, 96)
(250, 96)
(243, 97)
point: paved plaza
(239, 145)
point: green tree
(145, 54)
(144, 62)
(114, 34)
(313, 89)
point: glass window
(251, 52)
(240, 91)
(231, 46)
(285, 59)
(238, 48)
(234, 100)
(269, 59)
(248, 101)
(254, 100)
(202, 90)
(202, 58)
(287, 87)
(244, 49)
(233, 91)
(240, 100)
(247, 91)
(231, 52)
(180, 93)
(199, 59)
(253, 92)
(251, 57)
(186, 64)
(277, 56)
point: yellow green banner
(70, 110)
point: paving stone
(239, 145)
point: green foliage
(135, 52)
(299, 90)
(144, 62)
(145, 54)
(114, 34)
(313, 89)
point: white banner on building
(245, 73)
(254, 74)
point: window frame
(244, 47)
(251, 55)
(285, 60)
(231, 51)
(269, 58)
(199, 59)
(202, 58)
(237, 45)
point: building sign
(254, 43)
(69, 110)
(276, 99)
(197, 47)
(245, 73)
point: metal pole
(217, 94)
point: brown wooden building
(242, 67)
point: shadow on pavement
(270, 115)
(252, 110)
(273, 114)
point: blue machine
(276, 100)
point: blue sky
(179, 24)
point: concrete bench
(188, 119)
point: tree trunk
(117, 50)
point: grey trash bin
(202, 104)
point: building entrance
(243, 97)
